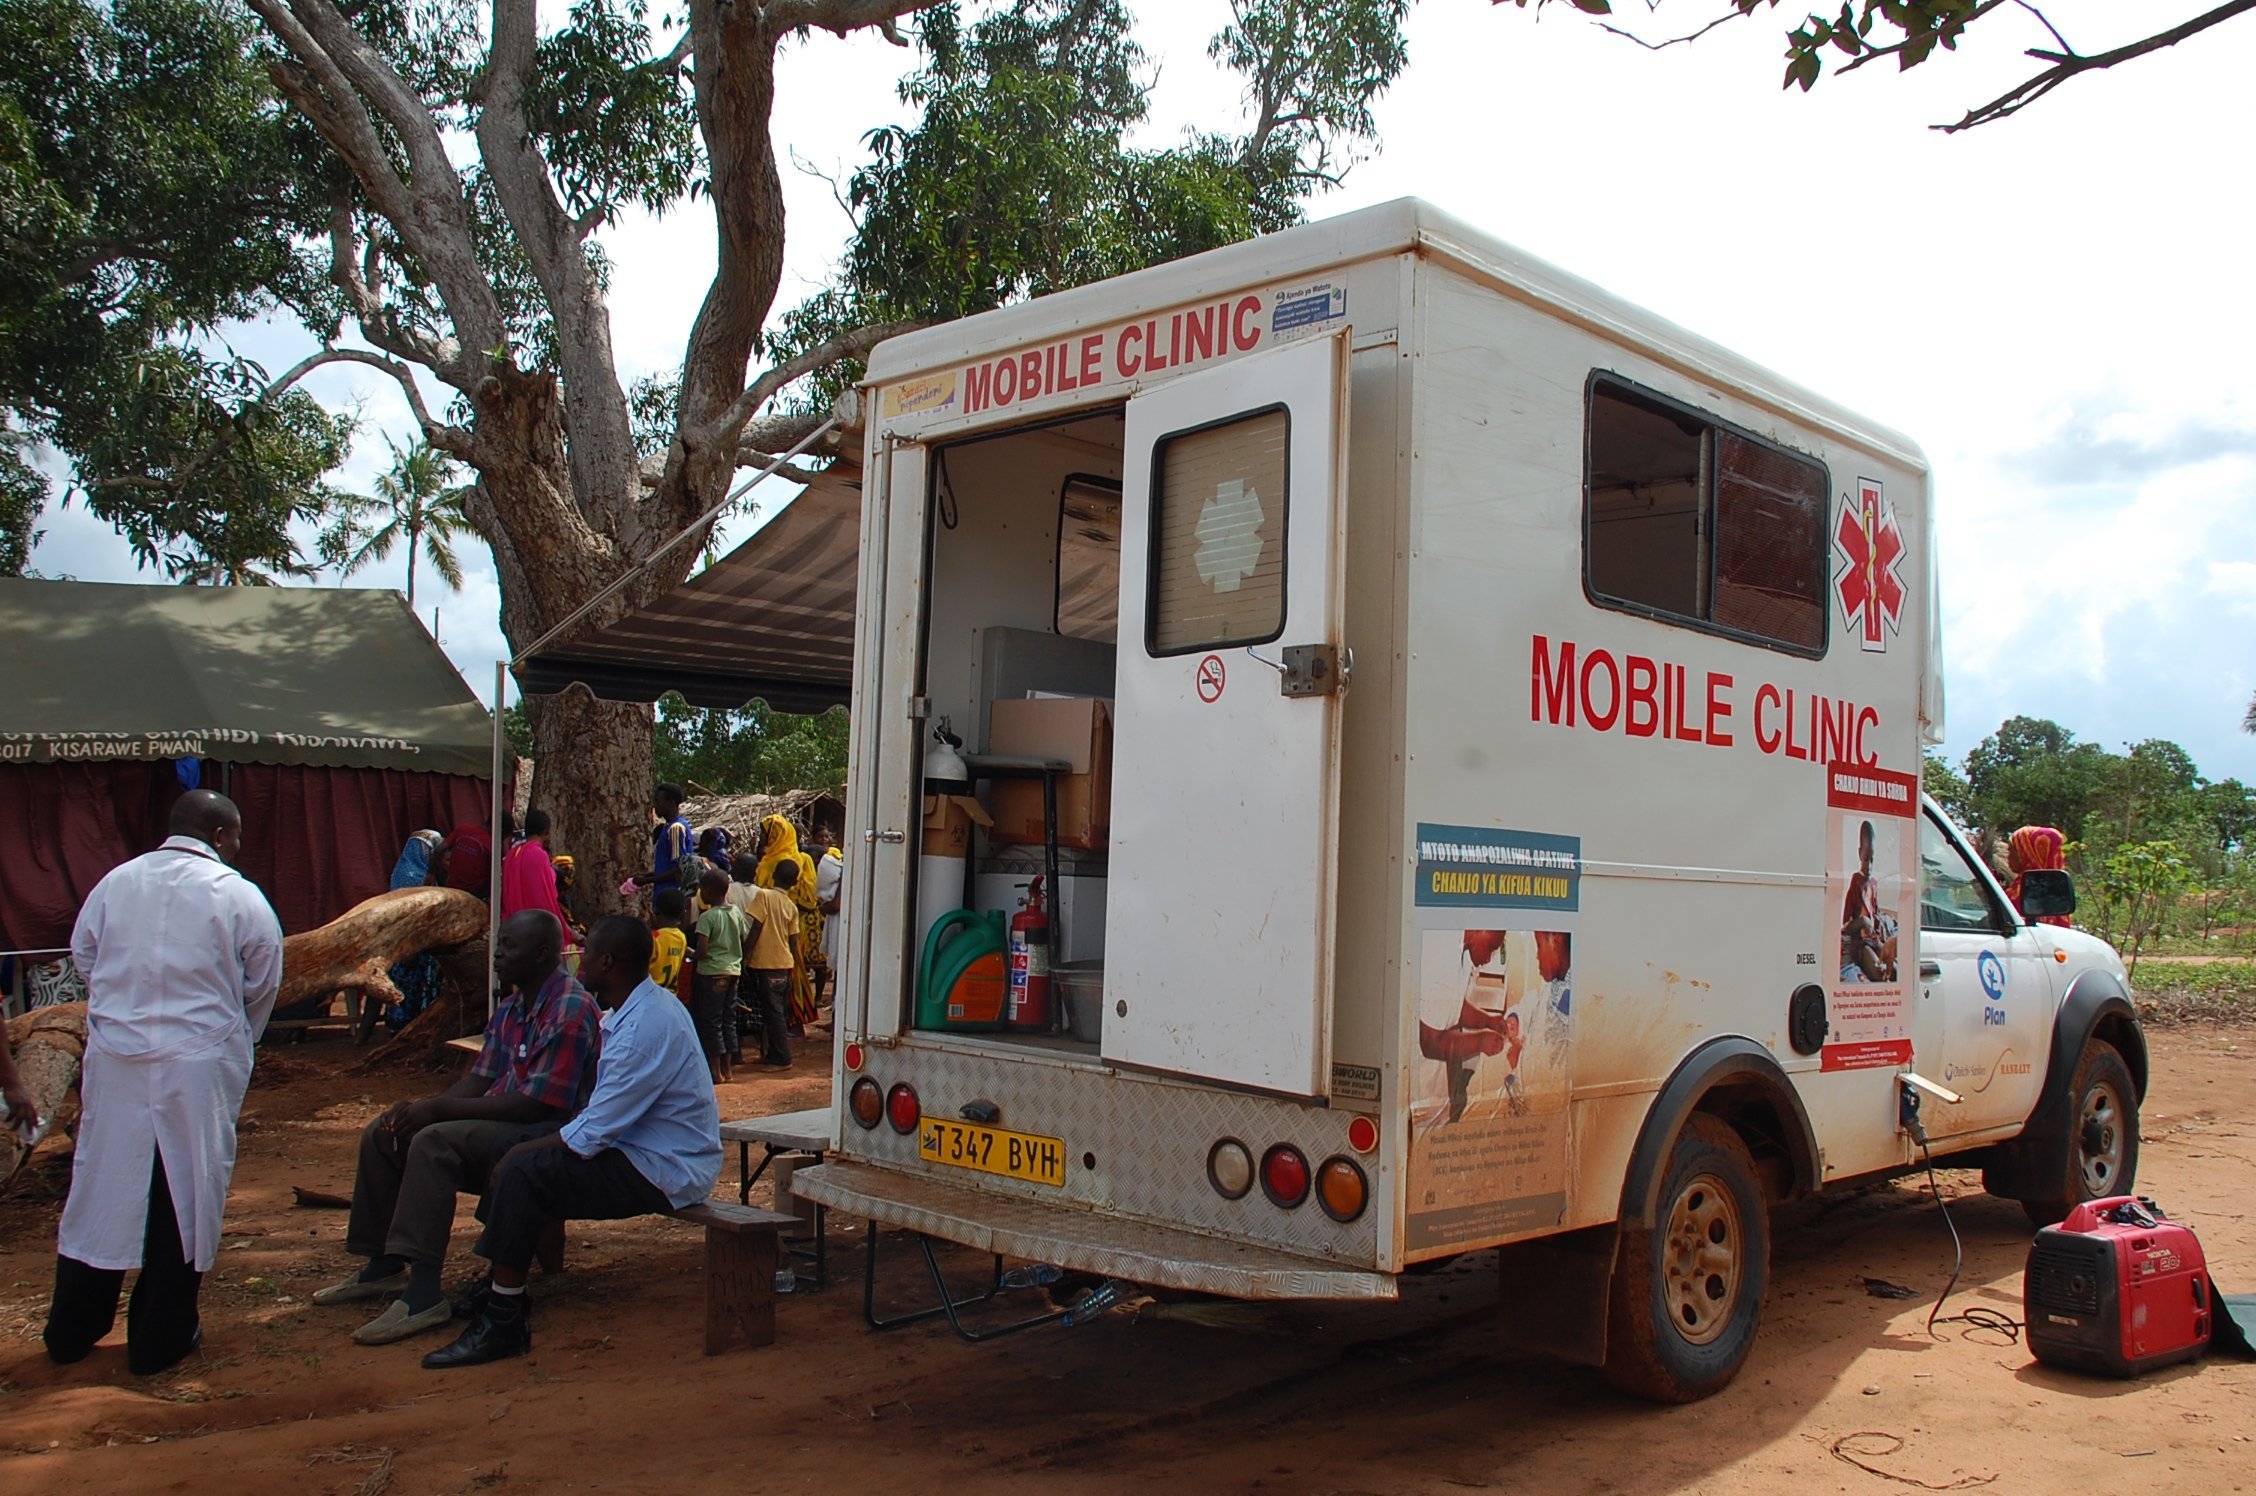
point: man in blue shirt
(648, 1140)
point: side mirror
(2047, 891)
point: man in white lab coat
(182, 956)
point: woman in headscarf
(2035, 849)
(417, 978)
(779, 842)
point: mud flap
(1553, 1293)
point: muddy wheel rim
(1703, 1259)
(2100, 1140)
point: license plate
(992, 1150)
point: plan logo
(1869, 581)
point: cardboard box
(948, 820)
(1075, 730)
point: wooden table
(809, 1132)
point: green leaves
(151, 189)
(1019, 179)
(616, 125)
(755, 750)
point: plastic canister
(963, 980)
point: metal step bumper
(1081, 1239)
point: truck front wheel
(2103, 1137)
(1687, 1296)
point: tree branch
(726, 429)
(839, 16)
(339, 77)
(448, 438)
(2067, 65)
(600, 451)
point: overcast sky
(2058, 307)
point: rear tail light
(854, 1059)
(1341, 1188)
(866, 1102)
(1284, 1176)
(1229, 1168)
(902, 1108)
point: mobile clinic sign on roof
(1124, 352)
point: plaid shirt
(544, 1047)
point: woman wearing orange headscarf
(2035, 849)
(779, 842)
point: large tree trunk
(592, 773)
(49, 1045)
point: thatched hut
(740, 815)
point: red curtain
(317, 841)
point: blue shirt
(653, 1098)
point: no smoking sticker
(1210, 678)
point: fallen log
(356, 950)
(49, 1044)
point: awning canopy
(772, 619)
(328, 677)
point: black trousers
(160, 1319)
(556, 1184)
(770, 996)
(715, 1014)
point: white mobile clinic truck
(1489, 785)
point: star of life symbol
(1229, 533)
(1869, 581)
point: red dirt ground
(1414, 1397)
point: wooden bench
(742, 1249)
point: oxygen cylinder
(1029, 1011)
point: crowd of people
(592, 1096)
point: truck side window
(1950, 892)
(1692, 520)
(1218, 534)
(1088, 560)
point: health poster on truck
(1872, 836)
(1491, 1079)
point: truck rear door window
(1691, 520)
(1088, 563)
(1218, 534)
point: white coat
(182, 957)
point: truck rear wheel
(2103, 1137)
(1687, 1296)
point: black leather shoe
(473, 1301)
(487, 1339)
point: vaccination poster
(1492, 1073)
(1871, 885)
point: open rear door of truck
(1218, 939)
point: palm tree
(412, 502)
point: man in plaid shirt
(535, 1072)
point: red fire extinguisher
(1029, 1010)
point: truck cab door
(1993, 983)
(1218, 940)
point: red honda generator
(2117, 1288)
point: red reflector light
(1362, 1133)
(1284, 1176)
(854, 1058)
(902, 1108)
(866, 1102)
(1340, 1188)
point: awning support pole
(493, 888)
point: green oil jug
(963, 982)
